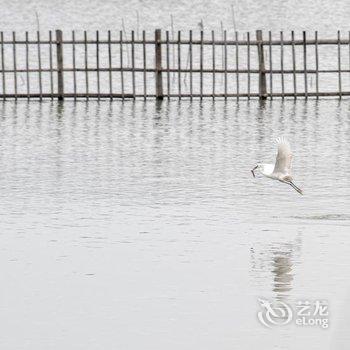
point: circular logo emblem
(274, 314)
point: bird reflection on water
(279, 262)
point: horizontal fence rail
(117, 65)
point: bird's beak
(253, 170)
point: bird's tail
(295, 187)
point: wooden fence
(174, 65)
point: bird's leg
(253, 170)
(295, 187)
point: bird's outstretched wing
(284, 157)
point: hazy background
(324, 15)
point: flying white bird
(281, 171)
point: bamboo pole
(191, 64)
(201, 64)
(317, 62)
(309, 42)
(282, 65)
(262, 75)
(339, 67)
(248, 64)
(133, 63)
(270, 65)
(225, 65)
(237, 66)
(168, 64)
(39, 65)
(144, 65)
(294, 66)
(98, 64)
(74, 66)
(110, 74)
(27, 67)
(183, 70)
(51, 65)
(305, 65)
(214, 62)
(86, 65)
(349, 50)
(59, 54)
(130, 96)
(14, 64)
(121, 63)
(222, 51)
(179, 64)
(3, 66)
(158, 60)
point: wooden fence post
(262, 74)
(59, 48)
(159, 79)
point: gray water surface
(139, 225)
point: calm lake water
(126, 225)
(139, 225)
